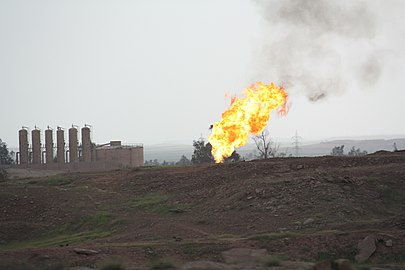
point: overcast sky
(157, 71)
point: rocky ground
(282, 213)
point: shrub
(161, 264)
(271, 261)
(112, 266)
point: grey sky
(157, 71)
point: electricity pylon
(296, 142)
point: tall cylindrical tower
(49, 145)
(60, 145)
(23, 143)
(73, 149)
(86, 144)
(36, 146)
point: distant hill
(324, 148)
(173, 152)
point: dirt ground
(308, 209)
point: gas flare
(249, 114)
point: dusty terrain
(307, 209)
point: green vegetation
(3, 174)
(271, 236)
(150, 201)
(391, 258)
(227, 235)
(197, 251)
(6, 157)
(82, 188)
(158, 202)
(337, 151)
(100, 218)
(112, 266)
(29, 266)
(59, 240)
(202, 153)
(270, 261)
(362, 266)
(161, 264)
(99, 221)
(101, 224)
(356, 152)
(372, 179)
(347, 252)
(55, 180)
(393, 197)
(5, 196)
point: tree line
(202, 152)
(6, 156)
(354, 152)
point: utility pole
(296, 142)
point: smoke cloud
(320, 47)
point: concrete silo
(36, 146)
(49, 145)
(86, 144)
(60, 145)
(23, 143)
(73, 147)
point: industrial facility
(84, 156)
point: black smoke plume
(321, 47)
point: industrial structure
(84, 156)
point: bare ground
(308, 209)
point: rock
(388, 235)
(243, 256)
(300, 166)
(39, 257)
(43, 258)
(366, 248)
(177, 239)
(347, 188)
(83, 251)
(388, 243)
(259, 191)
(176, 210)
(326, 265)
(342, 264)
(205, 265)
(308, 221)
(297, 265)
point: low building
(130, 155)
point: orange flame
(249, 114)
